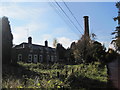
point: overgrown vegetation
(30, 75)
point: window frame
(29, 55)
(19, 55)
(40, 58)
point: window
(41, 50)
(40, 58)
(35, 58)
(47, 50)
(19, 57)
(30, 58)
(48, 58)
(23, 46)
(55, 58)
(52, 59)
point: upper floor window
(48, 57)
(41, 50)
(55, 58)
(52, 59)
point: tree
(93, 35)
(98, 52)
(116, 40)
(81, 50)
(87, 50)
(55, 42)
(7, 43)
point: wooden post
(58, 74)
(77, 69)
(66, 73)
(72, 70)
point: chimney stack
(86, 26)
(46, 43)
(30, 40)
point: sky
(45, 21)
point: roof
(32, 46)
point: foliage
(7, 38)
(111, 55)
(98, 52)
(87, 50)
(116, 40)
(55, 42)
(30, 75)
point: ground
(30, 75)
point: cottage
(28, 52)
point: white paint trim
(19, 57)
(30, 58)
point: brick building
(28, 52)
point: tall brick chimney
(86, 26)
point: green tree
(55, 42)
(116, 40)
(98, 51)
(7, 43)
(81, 50)
(87, 50)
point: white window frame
(19, 57)
(30, 59)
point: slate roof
(33, 46)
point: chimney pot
(46, 43)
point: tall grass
(30, 75)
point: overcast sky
(42, 21)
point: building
(28, 52)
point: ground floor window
(19, 57)
(35, 58)
(30, 58)
(40, 58)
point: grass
(30, 75)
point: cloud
(21, 33)
(30, 18)
(66, 42)
(25, 18)
(16, 11)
